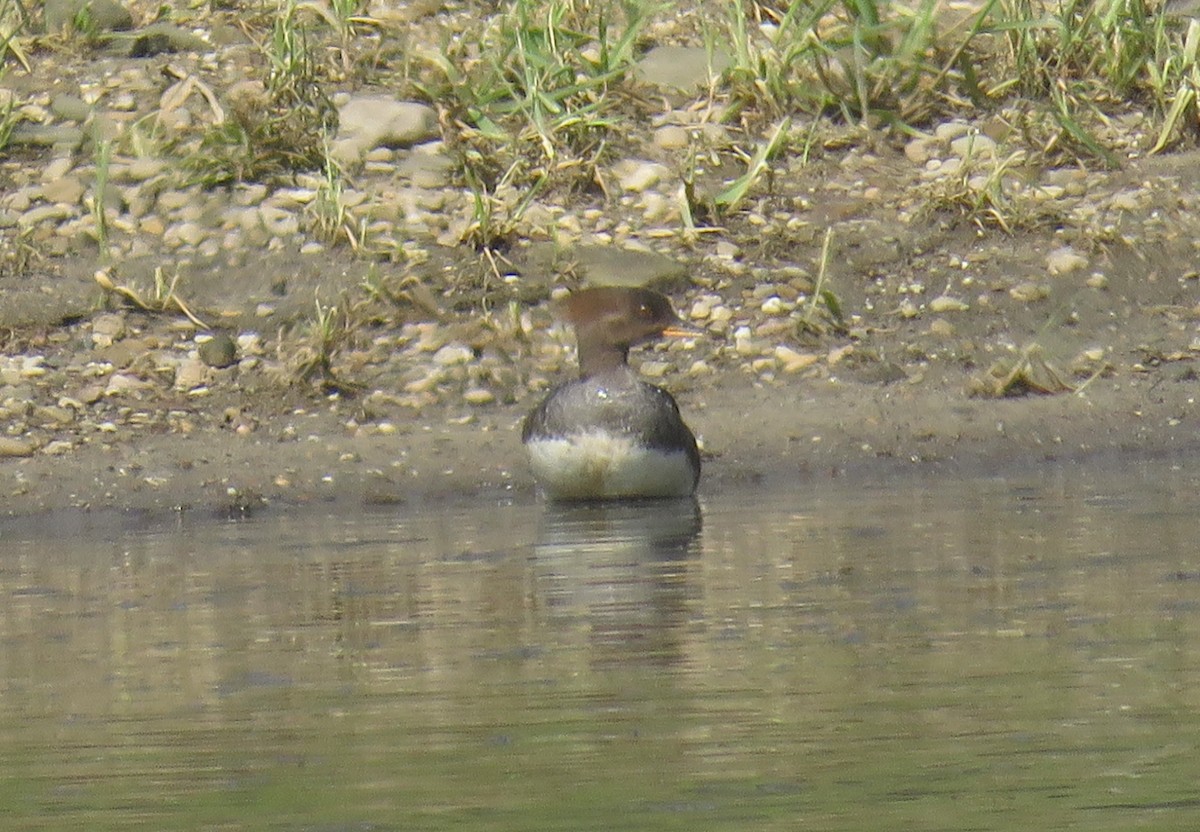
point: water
(914, 654)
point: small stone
(703, 306)
(654, 369)
(452, 354)
(140, 170)
(919, 150)
(774, 306)
(743, 343)
(791, 361)
(1097, 280)
(671, 137)
(1028, 292)
(218, 350)
(945, 303)
(58, 447)
(91, 394)
(638, 176)
(13, 447)
(478, 396)
(1064, 261)
(1127, 201)
(190, 233)
(53, 416)
(107, 329)
(941, 328)
(369, 121)
(974, 145)
(70, 107)
(683, 68)
(121, 384)
(950, 130)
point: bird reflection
(621, 570)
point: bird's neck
(598, 357)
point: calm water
(915, 655)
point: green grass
(536, 97)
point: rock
(107, 329)
(140, 170)
(1028, 292)
(682, 68)
(637, 175)
(941, 328)
(426, 170)
(192, 373)
(920, 150)
(654, 369)
(368, 121)
(614, 266)
(951, 130)
(12, 447)
(58, 447)
(34, 217)
(70, 107)
(945, 303)
(57, 169)
(453, 353)
(121, 384)
(65, 136)
(218, 350)
(67, 190)
(671, 137)
(975, 145)
(1064, 261)
(774, 305)
(791, 361)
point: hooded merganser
(608, 434)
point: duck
(608, 434)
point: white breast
(599, 465)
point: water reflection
(626, 569)
(981, 654)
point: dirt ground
(964, 348)
(245, 448)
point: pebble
(941, 328)
(791, 361)
(453, 354)
(950, 130)
(13, 447)
(107, 328)
(975, 145)
(654, 369)
(1064, 261)
(218, 350)
(636, 175)
(920, 150)
(58, 447)
(120, 384)
(945, 303)
(478, 396)
(1028, 292)
(671, 137)
(774, 305)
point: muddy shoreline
(800, 436)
